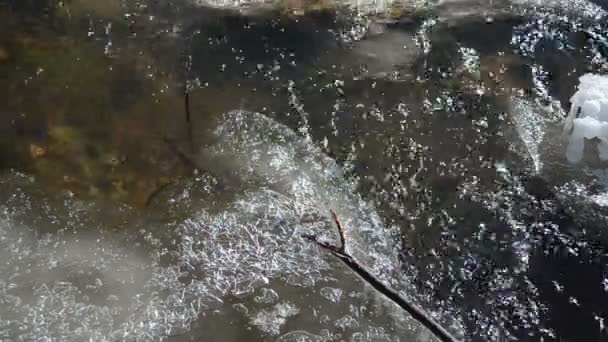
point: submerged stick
(188, 120)
(416, 312)
(187, 89)
(157, 192)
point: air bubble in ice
(347, 322)
(240, 308)
(331, 294)
(268, 296)
(271, 321)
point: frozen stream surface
(247, 261)
(160, 162)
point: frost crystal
(270, 322)
(331, 294)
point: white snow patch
(588, 117)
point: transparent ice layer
(68, 274)
(449, 9)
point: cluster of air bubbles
(584, 9)
(270, 321)
(579, 195)
(531, 124)
(297, 105)
(526, 38)
(556, 28)
(512, 292)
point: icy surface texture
(300, 336)
(538, 126)
(272, 154)
(530, 125)
(59, 287)
(588, 117)
(369, 6)
(67, 273)
(447, 9)
(271, 321)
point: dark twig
(187, 89)
(416, 312)
(340, 230)
(158, 191)
(187, 106)
(188, 119)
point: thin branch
(325, 245)
(187, 106)
(416, 312)
(340, 230)
(158, 191)
(188, 119)
(187, 89)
